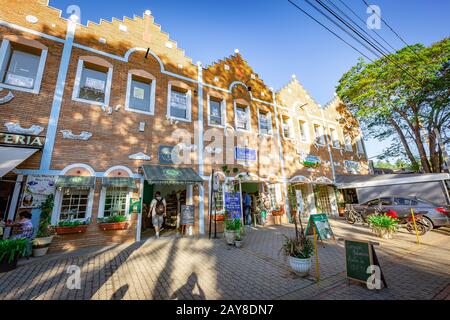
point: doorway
(253, 189)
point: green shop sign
(311, 161)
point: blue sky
(273, 36)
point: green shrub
(233, 225)
(45, 218)
(112, 219)
(12, 249)
(72, 223)
(383, 222)
(298, 247)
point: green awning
(118, 182)
(75, 182)
(170, 175)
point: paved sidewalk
(199, 268)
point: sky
(274, 37)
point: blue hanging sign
(245, 154)
(233, 205)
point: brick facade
(139, 44)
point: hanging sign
(311, 161)
(187, 216)
(135, 206)
(321, 225)
(245, 154)
(233, 205)
(37, 189)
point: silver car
(435, 215)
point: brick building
(103, 115)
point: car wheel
(427, 221)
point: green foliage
(383, 222)
(233, 224)
(45, 219)
(72, 223)
(12, 249)
(113, 219)
(297, 248)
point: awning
(11, 157)
(170, 175)
(118, 182)
(75, 182)
(362, 181)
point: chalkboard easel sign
(322, 225)
(359, 256)
(187, 215)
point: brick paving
(198, 268)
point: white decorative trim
(31, 19)
(6, 98)
(16, 128)
(213, 150)
(299, 179)
(68, 134)
(140, 156)
(184, 147)
(126, 169)
(78, 165)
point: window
(141, 93)
(303, 130)
(373, 203)
(402, 202)
(335, 138)
(93, 81)
(386, 201)
(265, 123)
(180, 103)
(242, 118)
(352, 167)
(22, 64)
(215, 112)
(287, 128)
(74, 204)
(318, 131)
(348, 143)
(115, 202)
(360, 146)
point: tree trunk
(404, 142)
(435, 156)
(422, 153)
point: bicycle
(352, 216)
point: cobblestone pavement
(198, 268)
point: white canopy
(11, 157)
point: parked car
(436, 216)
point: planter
(219, 217)
(71, 230)
(40, 252)
(230, 236)
(300, 266)
(238, 243)
(42, 241)
(383, 233)
(5, 266)
(114, 226)
(341, 212)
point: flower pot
(383, 233)
(238, 243)
(114, 226)
(5, 266)
(230, 236)
(42, 241)
(341, 212)
(40, 252)
(219, 217)
(300, 266)
(71, 230)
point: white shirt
(153, 205)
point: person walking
(247, 208)
(158, 210)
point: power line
(392, 29)
(329, 30)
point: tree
(404, 97)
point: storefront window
(74, 204)
(115, 202)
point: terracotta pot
(341, 212)
(71, 230)
(114, 226)
(220, 217)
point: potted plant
(231, 227)
(10, 252)
(238, 241)
(45, 233)
(299, 250)
(117, 222)
(341, 208)
(71, 227)
(383, 226)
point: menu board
(358, 257)
(187, 215)
(233, 205)
(322, 225)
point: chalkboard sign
(358, 257)
(323, 228)
(187, 215)
(233, 205)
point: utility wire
(329, 30)
(392, 29)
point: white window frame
(223, 106)
(249, 118)
(56, 215)
(151, 111)
(5, 51)
(331, 129)
(291, 128)
(321, 132)
(348, 147)
(269, 114)
(306, 130)
(76, 87)
(188, 107)
(101, 208)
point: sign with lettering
(187, 215)
(135, 206)
(323, 228)
(37, 189)
(245, 154)
(20, 140)
(233, 205)
(311, 161)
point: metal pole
(211, 191)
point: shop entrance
(254, 190)
(6, 192)
(323, 201)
